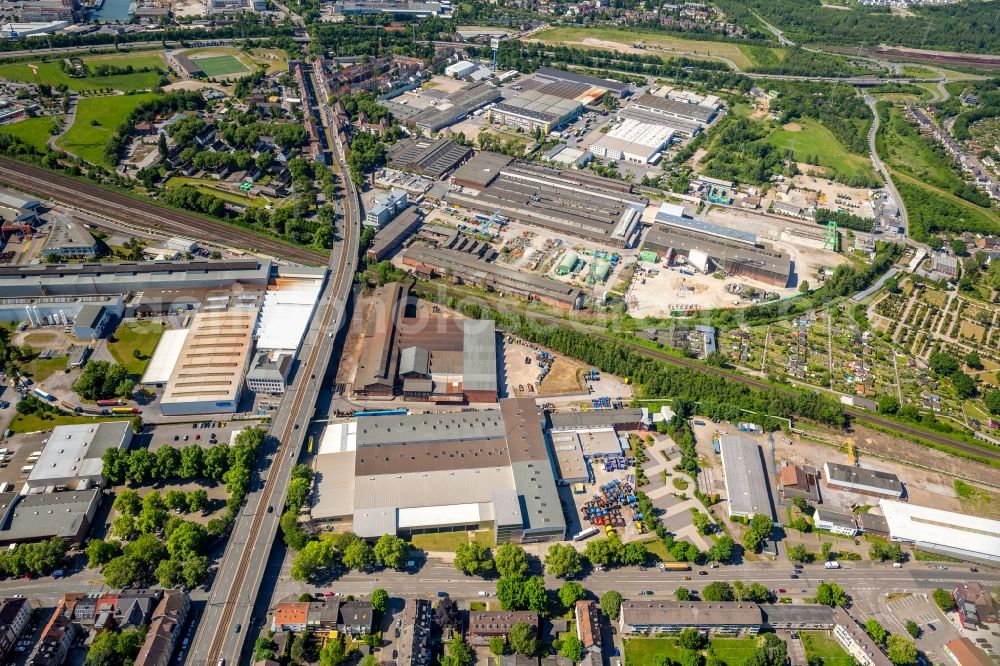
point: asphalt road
(80, 194)
(872, 133)
(226, 621)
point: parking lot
(19, 448)
(204, 433)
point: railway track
(113, 205)
(343, 273)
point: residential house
(975, 605)
(55, 641)
(484, 625)
(350, 617)
(165, 629)
(588, 625)
(15, 613)
(414, 634)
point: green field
(88, 140)
(40, 369)
(221, 65)
(52, 73)
(626, 38)
(449, 541)
(138, 59)
(36, 423)
(135, 336)
(211, 187)
(644, 651)
(34, 131)
(824, 646)
(807, 137)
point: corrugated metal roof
(479, 356)
(444, 427)
(417, 489)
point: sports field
(807, 138)
(87, 139)
(34, 131)
(622, 39)
(220, 65)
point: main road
(227, 618)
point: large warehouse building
(862, 481)
(211, 365)
(71, 458)
(671, 108)
(575, 203)
(634, 141)
(551, 74)
(452, 471)
(971, 538)
(445, 111)
(747, 487)
(434, 158)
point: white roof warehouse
(944, 532)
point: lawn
(824, 646)
(89, 140)
(807, 138)
(733, 651)
(138, 59)
(643, 651)
(40, 369)
(52, 73)
(221, 65)
(34, 422)
(212, 187)
(34, 131)
(918, 72)
(135, 336)
(448, 541)
(626, 38)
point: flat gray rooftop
(746, 477)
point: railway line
(113, 205)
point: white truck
(832, 565)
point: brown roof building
(484, 625)
(168, 620)
(588, 625)
(975, 605)
(966, 653)
(733, 618)
(376, 374)
(799, 482)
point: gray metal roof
(598, 418)
(35, 517)
(691, 613)
(802, 614)
(701, 114)
(414, 360)
(479, 356)
(836, 518)
(443, 427)
(885, 482)
(89, 315)
(746, 478)
(707, 228)
(563, 75)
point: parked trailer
(675, 566)
(586, 534)
(124, 410)
(109, 403)
(27, 468)
(43, 395)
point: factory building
(634, 141)
(862, 481)
(460, 69)
(747, 488)
(391, 237)
(118, 278)
(376, 373)
(434, 158)
(208, 377)
(959, 535)
(730, 255)
(386, 208)
(570, 202)
(550, 74)
(31, 518)
(672, 108)
(448, 110)
(535, 110)
(671, 215)
(94, 320)
(400, 8)
(69, 240)
(72, 457)
(452, 471)
(468, 260)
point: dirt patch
(195, 85)
(792, 127)
(565, 378)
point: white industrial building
(165, 356)
(634, 141)
(959, 535)
(460, 69)
(285, 314)
(747, 487)
(71, 457)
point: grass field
(919, 72)
(643, 651)
(911, 153)
(52, 73)
(88, 140)
(821, 644)
(221, 65)
(807, 137)
(211, 187)
(35, 423)
(34, 131)
(138, 59)
(40, 369)
(626, 38)
(132, 337)
(449, 541)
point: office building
(69, 240)
(836, 522)
(95, 320)
(386, 208)
(268, 374)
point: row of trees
(40, 558)
(900, 649)
(101, 380)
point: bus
(43, 395)
(124, 410)
(586, 534)
(675, 566)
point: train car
(124, 410)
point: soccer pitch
(221, 65)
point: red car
(781, 590)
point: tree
(883, 552)
(957, 246)
(170, 573)
(264, 647)
(913, 629)
(120, 572)
(876, 631)
(570, 593)
(390, 551)
(523, 639)
(473, 559)
(100, 552)
(299, 645)
(313, 557)
(176, 500)
(611, 604)
(722, 549)
(127, 502)
(459, 654)
(571, 648)
(197, 500)
(718, 591)
(974, 360)
(186, 540)
(153, 515)
(965, 386)
(826, 550)
(799, 553)
(113, 648)
(498, 646)
(359, 556)
(298, 493)
(146, 551)
(691, 639)
(380, 599)
(511, 560)
(333, 653)
(992, 398)
(563, 561)
(831, 594)
(804, 286)
(446, 614)
(682, 594)
(944, 600)
(901, 649)
(136, 421)
(192, 462)
(888, 404)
